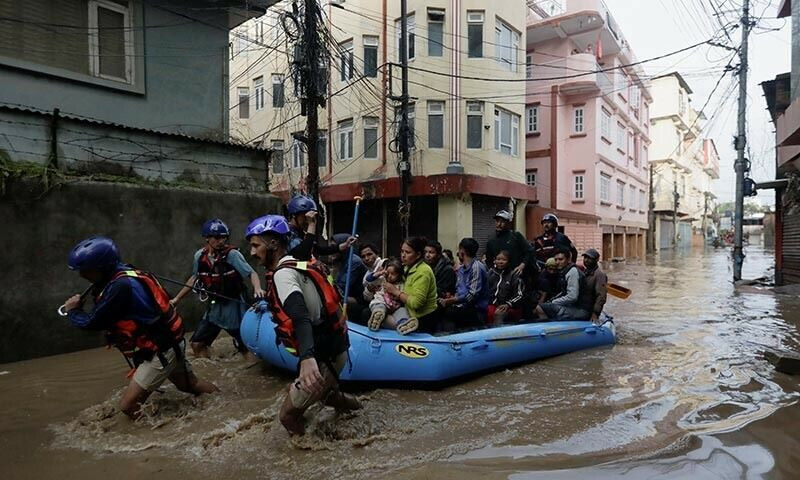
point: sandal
(407, 325)
(376, 320)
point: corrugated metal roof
(95, 121)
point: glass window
(642, 200)
(244, 102)
(506, 45)
(370, 56)
(622, 137)
(258, 87)
(435, 32)
(277, 91)
(620, 193)
(475, 34)
(298, 153)
(577, 192)
(506, 132)
(529, 66)
(532, 119)
(605, 187)
(370, 137)
(346, 61)
(110, 41)
(474, 124)
(277, 156)
(411, 23)
(435, 124)
(578, 123)
(346, 140)
(605, 124)
(632, 197)
(530, 177)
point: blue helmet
(267, 224)
(215, 228)
(94, 252)
(301, 204)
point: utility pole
(651, 218)
(675, 203)
(404, 141)
(311, 82)
(740, 143)
(705, 218)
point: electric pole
(651, 218)
(675, 203)
(403, 132)
(740, 142)
(311, 50)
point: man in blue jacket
(468, 307)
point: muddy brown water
(684, 394)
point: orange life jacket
(219, 276)
(333, 318)
(139, 341)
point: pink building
(587, 129)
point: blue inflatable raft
(387, 357)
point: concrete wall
(179, 86)
(157, 229)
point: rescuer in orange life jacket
(310, 323)
(135, 312)
(220, 269)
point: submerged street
(684, 394)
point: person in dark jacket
(303, 239)
(547, 285)
(505, 238)
(507, 292)
(596, 281)
(574, 301)
(355, 297)
(546, 245)
(442, 269)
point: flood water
(684, 394)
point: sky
(656, 27)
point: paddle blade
(619, 291)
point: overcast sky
(656, 27)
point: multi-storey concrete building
(467, 81)
(683, 166)
(587, 128)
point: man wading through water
(139, 320)
(309, 322)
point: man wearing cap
(505, 238)
(596, 281)
(546, 244)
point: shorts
(330, 379)
(562, 312)
(208, 331)
(150, 374)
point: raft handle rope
(62, 310)
(200, 290)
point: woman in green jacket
(419, 293)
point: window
(346, 61)
(532, 119)
(506, 43)
(298, 153)
(530, 177)
(277, 91)
(370, 137)
(110, 41)
(370, 56)
(636, 148)
(244, 102)
(528, 66)
(681, 102)
(632, 198)
(322, 148)
(605, 124)
(435, 124)
(346, 140)
(474, 124)
(642, 200)
(506, 132)
(636, 98)
(475, 34)
(578, 120)
(410, 50)
(622, 137)
(577, 192)
(277, 156)
(258, 87)
(259, 26)
(435, 32)
(620, 193)
(605, 187)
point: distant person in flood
(468, 307)
(546, 244)
(574, 301)
(219, 269)
(139, 320)
(596, 282)
(309, 320)
(507, 291)
(303, 239)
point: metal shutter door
(483, 210)
(791, 247)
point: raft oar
(62, 309)
(350, 255)
(618, 290)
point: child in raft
(386, 311)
